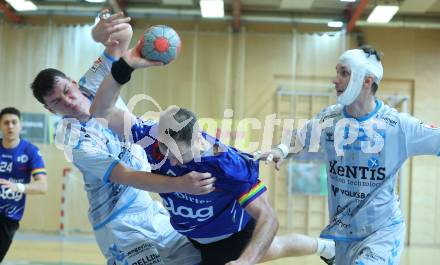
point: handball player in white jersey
(130, 227)
(364, 142)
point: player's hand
(274, 155)
(107, 25)
(196, 183)
(134, 58)
(11, 186)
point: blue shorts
(382, 247)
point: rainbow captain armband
(253, 193)
(40, 170)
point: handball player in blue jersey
(22, 173)
(365, 143)
(235, 223)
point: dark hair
(44, 83)
(372, 51)
(186, 133)
(10, 110)
(369, 50)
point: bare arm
(265, 230)
(37, 186)
(302, 144)
(103, 107)
(192, 183)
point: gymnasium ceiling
(420, 12)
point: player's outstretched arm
(37, 186)
(192, 183)
(302, 144)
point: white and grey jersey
(119, 212)
(363, 157)
(95, 150)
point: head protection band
(361, 64)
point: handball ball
(161, 43)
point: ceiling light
(22, 5)
(95, 1)
(348, 0)
(335, 24)
(382, 14)
(212, 8)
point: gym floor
(38, 249)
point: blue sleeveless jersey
(215, 215)
(18, 165)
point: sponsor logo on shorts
(145, 254)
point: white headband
(360, 64)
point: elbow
(116, 178)
(120, 174)
(270, 220)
